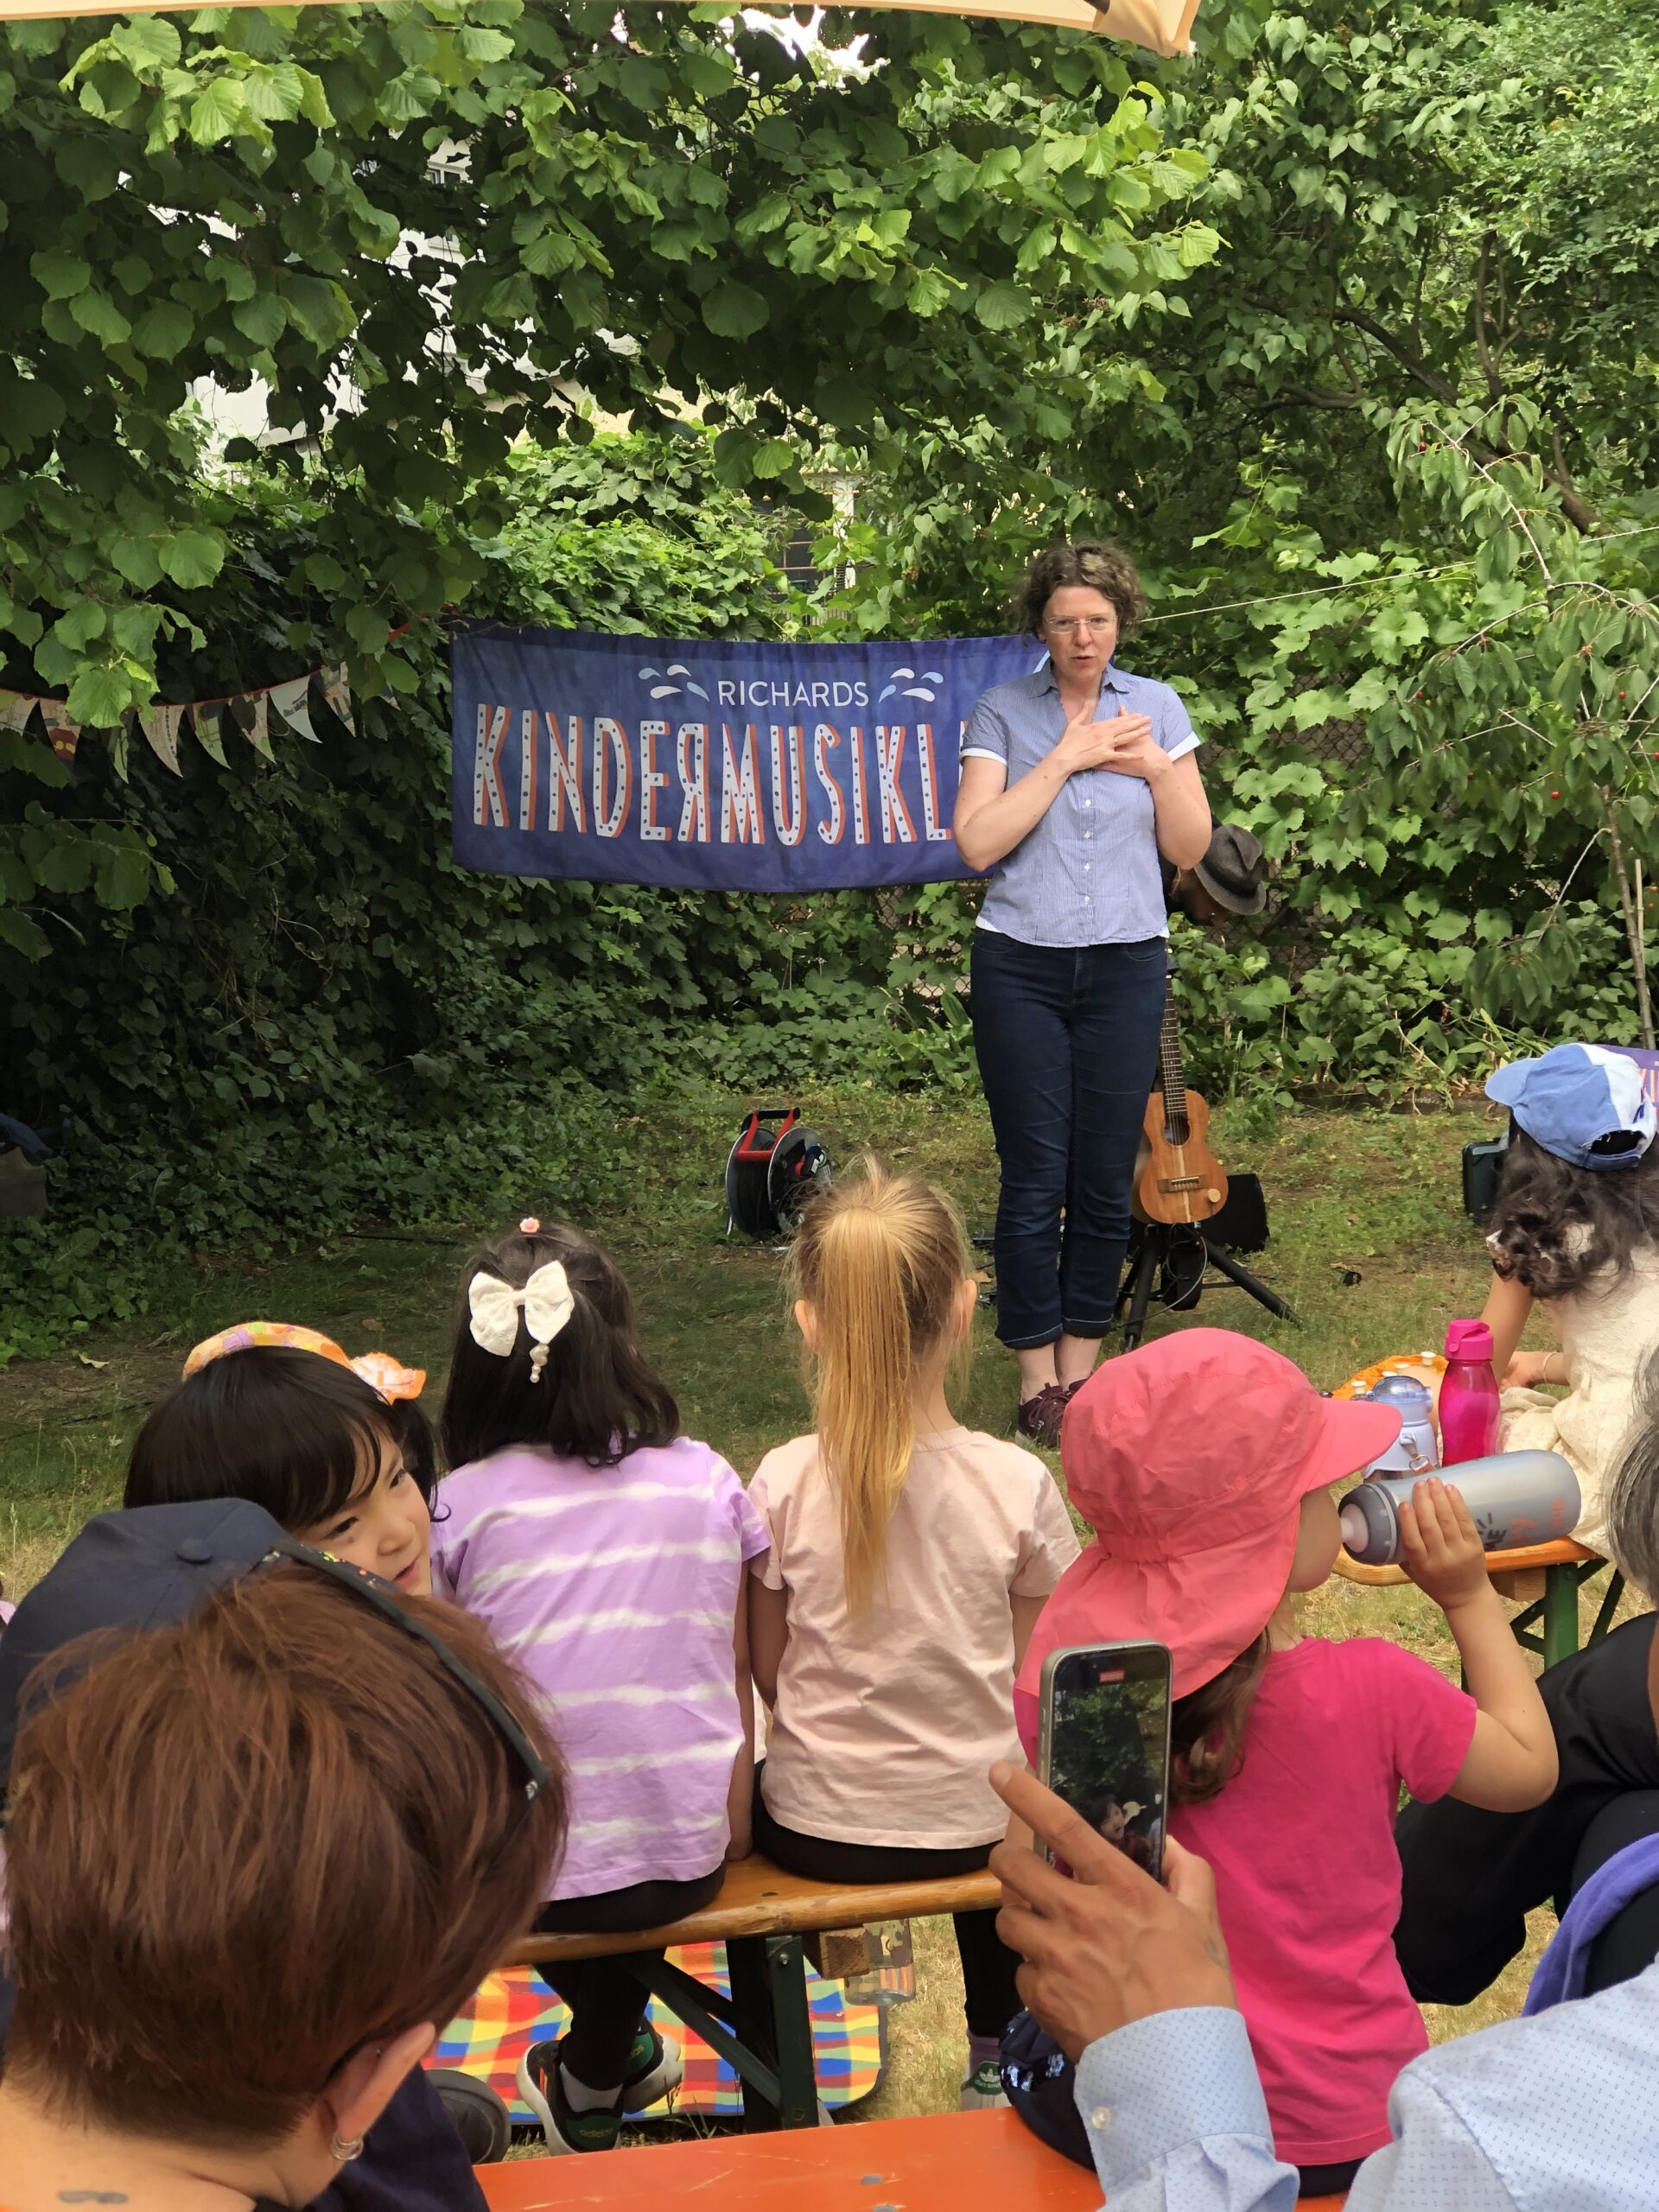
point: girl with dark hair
(277, 1414)
(1205, 1464)
(1575, 1229)
(1075, 782)
(607, 1552)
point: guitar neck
(1171, 1078)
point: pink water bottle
(1469, 1415)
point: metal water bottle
(1415, 1451)
(1514, 1498)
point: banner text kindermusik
(756, 767)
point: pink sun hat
(1189, 1460)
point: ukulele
(1178, 1177)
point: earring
(342, 2153)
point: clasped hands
(1106, 1944)
(1125, 745)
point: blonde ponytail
(880, 1259)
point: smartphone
(1104, 1742)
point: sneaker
(983, 2087)
(654, 2071)
(1039, 1418)
(541, 2084)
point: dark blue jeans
(1067, 1045)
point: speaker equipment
(771, 1172)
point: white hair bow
(546, 1301)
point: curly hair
(1088, 562)
(1555, 1227)
(1633, 1496)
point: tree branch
(1494, 387)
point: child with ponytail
(606, 1551)
(909, 1560)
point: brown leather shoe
(1039, 1417)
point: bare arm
(740, 1798)
(1508, 1307)
(1026, 1610)
(768, 1635)
(1511, 1763)
(1181, 811)
(992, 814)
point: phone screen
(1104, 1744)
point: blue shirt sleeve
(1176, 2117)
(1175, 731)
(987, 731)
(1433, 2164)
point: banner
(711, 765)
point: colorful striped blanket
(514, 2009)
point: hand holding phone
(1104, 1745)
(1110, 1947)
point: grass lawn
(1369, 1194)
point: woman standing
(1074, 782)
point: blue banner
(733, 767)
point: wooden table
(761, 1914)
(1550, 1575)
(947, 2162)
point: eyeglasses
(374, 1593)
(1061, 625)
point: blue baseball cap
(1580, 1102)
(148, 1567)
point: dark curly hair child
(1575, 1228)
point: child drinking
(1205, 1463)
(1575, 1226)
(276, 1414)
(606, 1551)
(909, 1560)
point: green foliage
(483, 220)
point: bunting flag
(338, 695)
(164, 723)
(289, 700)
(205, 719)
(161, 728)
(256, 723)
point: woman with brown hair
(253, 1864)
(1076, 781)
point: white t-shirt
(886, 1726)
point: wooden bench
(939, 2164)
(766, 1919)
(1547, 1578)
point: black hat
(1234, 871)
(148, 1567)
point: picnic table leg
(1560, 1621)
(768, 1978)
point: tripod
(1179, 1257)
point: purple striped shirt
(614, 1589)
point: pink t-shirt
(615, 1590)
(1307, 1880)
(886, 1726)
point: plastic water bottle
(1514, 1498)
(1470, 1419)
(1415, 1451)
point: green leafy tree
(427, 230)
